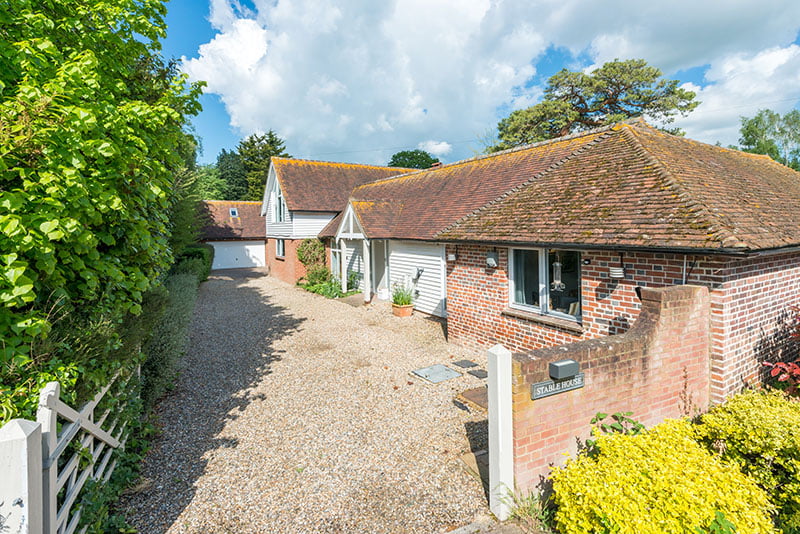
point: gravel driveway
(294, 413)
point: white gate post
(501, 453)
(48, 418)
(343, 265)
(21, 480)
(365, 252)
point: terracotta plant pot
(402, 311)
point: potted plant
(402, 297)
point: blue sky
(346, 80)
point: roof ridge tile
(481, 157)
(537, 176)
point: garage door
(238, 254)
(406, 259)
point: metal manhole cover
(436, 373)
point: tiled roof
(330, 229)
(324, 186)
(635, 186)
(417, 206)
(221, 226)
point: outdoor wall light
(492, 260)
(617, 272)
(420, 270)
(451, 256)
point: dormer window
(234, 212)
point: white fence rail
(44, 464)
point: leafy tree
(92, 134)
(774, 135)
(413, 159)
(231, 172)
(575, 101)
(209, 184)
(255, 152)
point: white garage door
(236, 254)
(406, 259)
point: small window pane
(526, 277)
(234, 212)
(280, 248)
(564, 269)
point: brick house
(547, 244)
(300, 198)
(236, 231)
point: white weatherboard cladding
(405, 258)
(238, 254)
(308, 224)
(283, 228)
(355, 260)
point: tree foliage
(413, 159)
(575, 101)
(209, 184)
(774, 135)
(255, 152)
(232, 173)
(92, 133)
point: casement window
(280, 207)
(234, 212)
(547, 281)
(280, 248)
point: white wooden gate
(40, 487)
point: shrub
(311, 252)
(760, 431)
(658, 481)
(168, 341)
(317, 274)
(330, 289)
(193, 266)
(203, 252)
(787, 376)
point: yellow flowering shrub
(760, 431)
(661, 481)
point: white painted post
(343, 265)
(501, 453)
(48, 418)
(21, 480)
(365, 247)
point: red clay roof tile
(324, 186)
(221, 226)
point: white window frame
(280, 207)
(280, 248)
(544, 285)
(234, 212)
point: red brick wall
(750, 299)
(750, 319)
(289, 269)
(658, 369)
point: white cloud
(436, 148)
(339, 79)
(740, 85)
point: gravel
(294, 413)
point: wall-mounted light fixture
(617, 272)
(419, 272)
(492, 259)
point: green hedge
(168, 341)
(760, 432)
(196, 259)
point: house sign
(552, 387)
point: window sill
(280, 258)
(549, 320)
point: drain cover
(436, 373)
(480, 373)
(464, 364)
